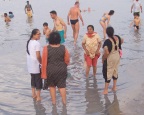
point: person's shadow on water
(39, 108)
(112, 108)
(93, 100)
(54, 110)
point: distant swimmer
(136, 22)
(104, 21)
(73, 15)
(46, 31)
(11, 15)
(6, 18)
(59, 26)
(28, 10)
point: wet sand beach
(84, 96)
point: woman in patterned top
(91, 44)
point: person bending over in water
(6, 18)
(73, 15)
(46, 31)
(28, 10)
(136, 22)
(104, 21)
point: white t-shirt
(136, 6)
(32, 62)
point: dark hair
(110, 33)
(27, 1)
(111, 12)
(10, 13)
(34, 32)
(53, 12)
(54, 38)
(90, 26)
(5, 14)
(45, 24)
(76, 3)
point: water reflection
(30, 21)
(92, 96)
(39, 108)
(112, 108)
(54, 110)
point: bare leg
(104, 28)
(76, 32)
(53, 94)
(38, 95)
(73, 28)
(63, 94)
(33, 93)
(106, 88)
(87, 70)
(114, 85)
(94, 70)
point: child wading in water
(46, 31)
(136, 22)
(91, 44)
(6, 18)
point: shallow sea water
(84, 96)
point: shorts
(136, 13)
(137, 27)
(73, 22)
(29, 14)
(36, 81)
(62, 36)
(91, 62)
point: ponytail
(114, 42)
(28, 44)
(34, 32)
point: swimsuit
(137, 27)
(73, 22)
(105, 18)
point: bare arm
(84, 47)
(38, 56)
(141, 8)
(65, 28)
(25, 9)
(108, 21)
(131, 23)
(99, 46)
(131, 8)
(106, 53)
(80, 16)
(68, 18)
(31, 8)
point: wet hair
(45, 24)
(5, 14)
(90, 26)
(54, 38)
(34, 32)
(10, 13)
(76, 3)
(53, 12)
(110, 33)
(111, 12)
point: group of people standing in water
(52, 65)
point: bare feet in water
(38, 99)
(105, 92)
(114, 89)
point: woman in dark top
(111, 58)
(56, 68)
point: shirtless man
(59, 26)
(73, 15)
(28, 10)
